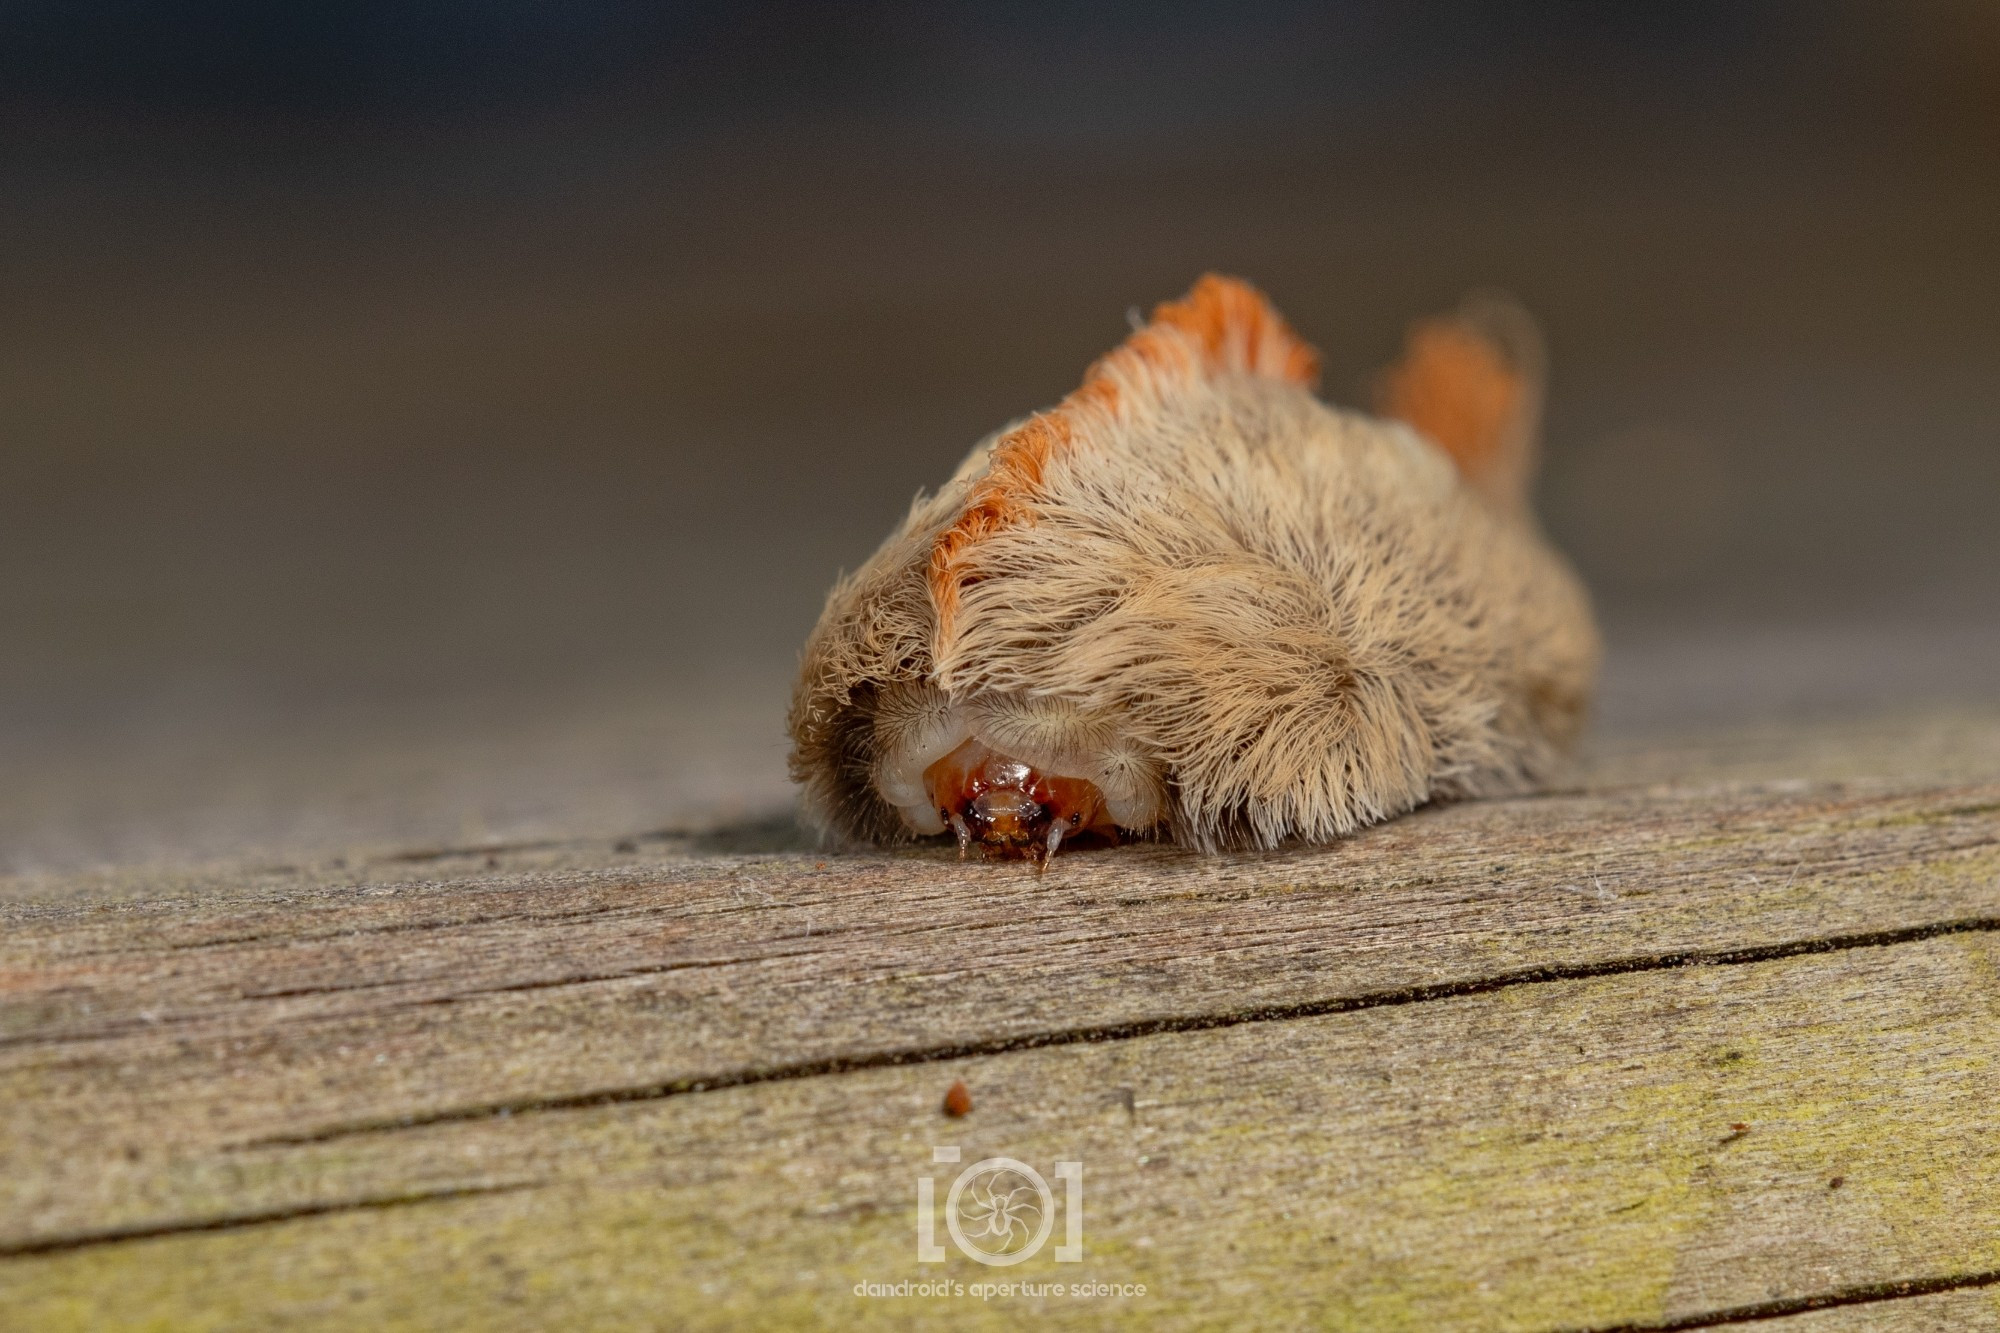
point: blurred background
(437, 420)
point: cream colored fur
(1281, 619)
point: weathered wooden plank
(220, 1060)
(156, 1029)
(1644, 1147)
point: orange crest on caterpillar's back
(1221, 325)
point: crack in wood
(1127, 1031)
(672, 912)
(87, 1240)
(600, 978)
(534, 984)
(1868, 1293)
(153, 1025)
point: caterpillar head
(1010, 776)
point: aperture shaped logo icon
(1000, 1211)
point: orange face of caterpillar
(1010, 810)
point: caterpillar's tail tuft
(1471, 381)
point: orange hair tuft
(1223, 325)
(1456, 386)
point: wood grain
(1628, 1149)
(1477, 1068)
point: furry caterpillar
(1193, 601)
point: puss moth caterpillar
(1193, 601)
